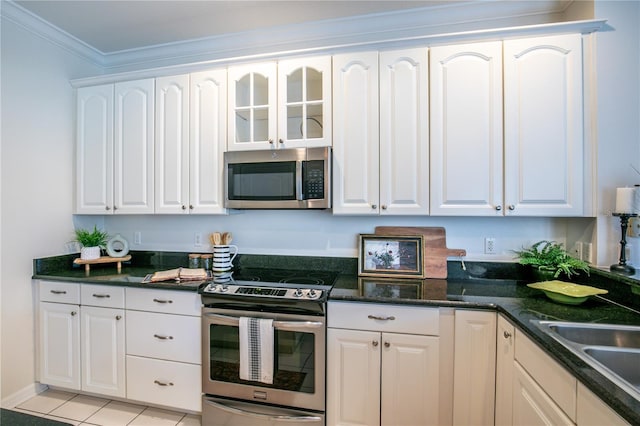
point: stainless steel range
(293, 303)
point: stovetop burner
(266, 283)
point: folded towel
(256, 349)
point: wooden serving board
(435, 249)
(104, 259)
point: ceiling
(115, 25)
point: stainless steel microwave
(296, 178)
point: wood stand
(435, 247)
(104, 259)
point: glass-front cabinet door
(304, 102)
(252, 107)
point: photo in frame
(391, 256)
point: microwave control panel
(313, 179)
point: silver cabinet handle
(190, 207)
(159, 383)
(184, 207)
(115, 208)
(506, 334)
(157, 336)
(74, 313)
(387, 344)
(162, 301)
(384, 207)
(374, 343)
(107, 208)
(101, 296)
(498, 208)
(512, 207)
(58, 291)
(374, 206)
(118, 317)
(271, 141)
(377, 317)
(280, 140)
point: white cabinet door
(466, 130)
(504, 372)
(94, 150)
(474, 367)
(208, 136)
(59, 345)
(353, 377)
(543, 106)
(593, 412)
(531, 405)
(410, 377)
(133, 147)
(252, 107)
(356, 174)
(172, 144)
(103, 355)
(304, 102)
(404, 132)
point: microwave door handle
(282, 325)
(275, 418)
(299, 193)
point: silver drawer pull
(377, 317)
(101, 296)
(162, 301)
(159, 383)
(58, 291)
(157, 336)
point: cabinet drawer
(53, 291)
(168, 383)
(164, 301)
(102, 295)
(389, 318)
(557, 382)
(164, 336)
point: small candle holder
(621, 267)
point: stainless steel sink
(613, 350)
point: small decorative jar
(194, 260)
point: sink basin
(613, 350)
(598, 334)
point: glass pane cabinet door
(252, 98)
(304, 102)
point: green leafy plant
(95, 238)
(552, 257)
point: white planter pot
(89, 253)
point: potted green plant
(92, 242)
(549, 260)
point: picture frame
(399, 256)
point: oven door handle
(281, 325)
(277, 418)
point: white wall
(36, 182)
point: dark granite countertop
(480, 286)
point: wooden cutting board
(435, 249)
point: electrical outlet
(137, 237)
(577, 250)
(489, 245)
(586, 252)
(197, 240)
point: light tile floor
(86, 410)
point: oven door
(299, 359)
(224, 412)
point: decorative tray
(568, 293)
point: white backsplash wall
(319, 233)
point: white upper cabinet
(543, 107)
(252, 107)
(172, 144)
(356, 173)
(94, 150)
(190, 140)
(380, 133)
(208, 134)
(304, 102)
(133, 147)
(404, 132)
(115, 141)
(466, 129)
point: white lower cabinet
(377, 375)
(164, 356)
(593, 412)
(474, 367)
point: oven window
(294, 368)
(271, 181)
